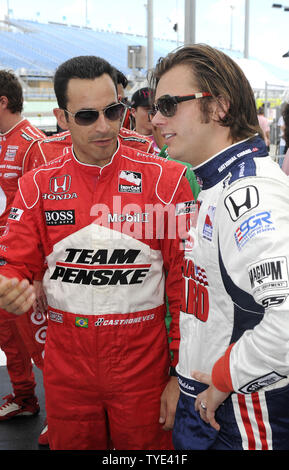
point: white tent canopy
(258, 74)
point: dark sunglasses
(86, 117)
(167, 105)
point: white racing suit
(234, 318)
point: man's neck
(8, 121)
(216, 144)
(143, 131)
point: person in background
(21, 340)
(122, 83)
(285, 165)
(233, 366)
(265, 126)
(140, 107)
(281, 126)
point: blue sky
(220, 23)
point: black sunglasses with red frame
(167, 104)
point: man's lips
(168, 135)
(104, 141)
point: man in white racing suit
(234, 359)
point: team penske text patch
(101, 267)
(130, 182)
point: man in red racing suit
(108, 234)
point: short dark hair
(216, 73)
(12, 89)
(142, 97)
(121, 79)
(84, 67)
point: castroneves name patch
(123, 321)
(100, 267)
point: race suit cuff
(173, 372)
(221, 376)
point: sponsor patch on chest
(129, 182)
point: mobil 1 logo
(60, 217)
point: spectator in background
(265, 126)
(17, 337)
(122, 83)
(285, 165)
(282, 143)
(140, 107)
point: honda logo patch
(241, 201)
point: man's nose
(102, 123)
(158, 119)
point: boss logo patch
(60, 217)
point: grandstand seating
(40, 48)
(36, 49)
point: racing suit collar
(220, 165)
(99, 170)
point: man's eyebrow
(94, 109)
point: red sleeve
(21, 250)
(173, 259)
(221, 376)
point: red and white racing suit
(108, 236)
(23, 339)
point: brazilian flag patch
(81, 322)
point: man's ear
(61, 118)
(133, 111)
(220, 108)
(4, 102)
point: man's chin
(173, 153)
